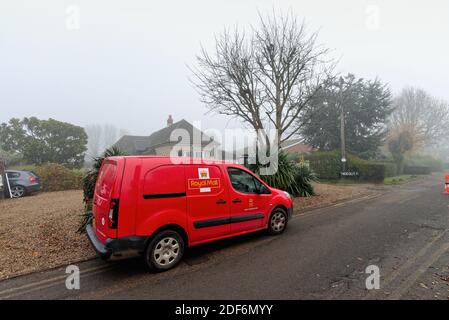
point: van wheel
(164, 251)
(277, 222)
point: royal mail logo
(204, 183)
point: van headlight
(287, 194)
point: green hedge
(327, 166)
(56, 177)
(414, 170)
(368, 170)
(433, 164)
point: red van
(148, 205)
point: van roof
(187, 159)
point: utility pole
(343, 139)
(342, 128)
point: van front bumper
(290, 212)
(116, 247)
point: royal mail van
(152, 206)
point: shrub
(433, 164)
(56, 177)
(294, 178)
(304, 178)
(417, 170)
(368, 170)
(326, 165)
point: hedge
(413, 170)
(368, 170)
(433, 164)
(56, 177)
(327, 165)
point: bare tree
(94, 143)
(110, 135)
(265, 78)
(424, 116)
(101, 137)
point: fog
(125, 62)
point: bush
(433, 164)
(56, 177)
(417, 170)
(294, 178)
(368, 170)
(326, 165)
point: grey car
(23, 183)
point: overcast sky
(125, 63)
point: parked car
(22, 183)
(149, 205)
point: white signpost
(4, 180)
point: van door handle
(236, 200)
(221, 201)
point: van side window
(243, 182)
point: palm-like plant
(292, 177)
(89, 181)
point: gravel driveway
(39, 232)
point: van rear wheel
(164, 251)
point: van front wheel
(277, 222)
(164, 251)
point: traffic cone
(446, 185)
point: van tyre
(277, 222)
(164, 251)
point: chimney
(169, 121)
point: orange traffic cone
(446, 185)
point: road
(404, 230)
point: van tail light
(32, 179)
(113, 214)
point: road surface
(403, 230)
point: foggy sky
(127, 63)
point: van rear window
(106, 180)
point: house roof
(295, 146)
(146, 144)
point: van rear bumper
(116, 247)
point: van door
(248, 206)
(207, 202)
(102, 200)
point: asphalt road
(323, 255)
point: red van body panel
(144, 194)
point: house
(167, 141)
(296, 146)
